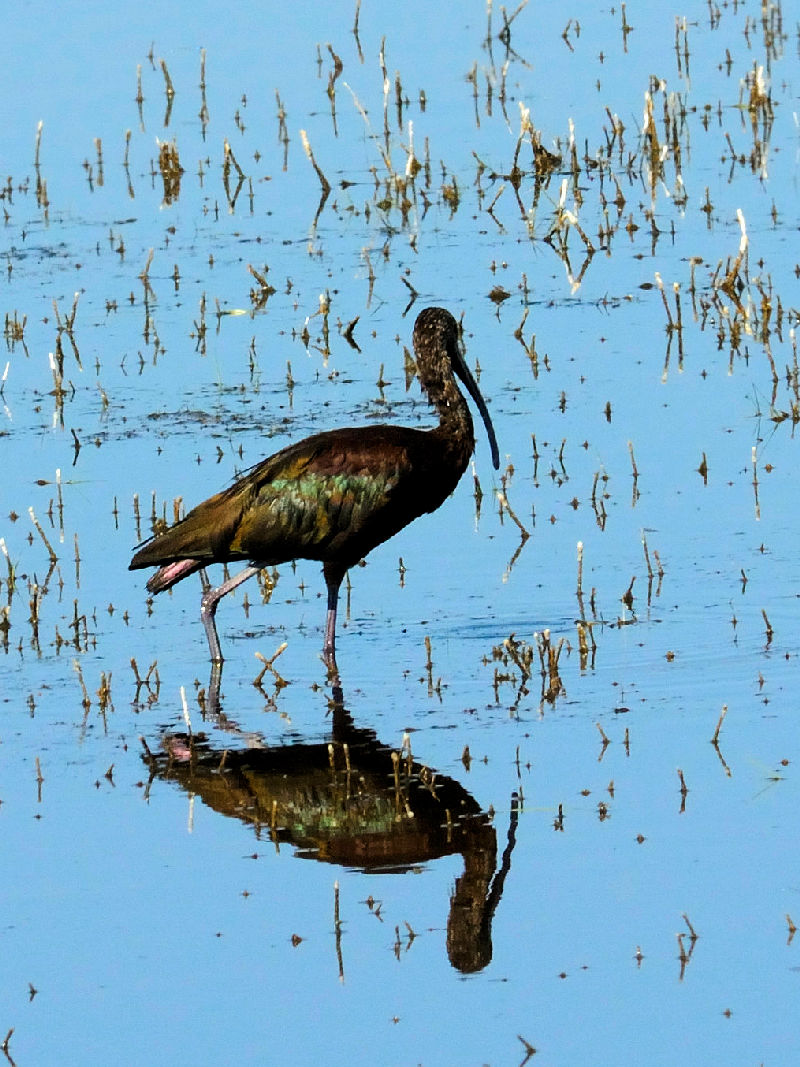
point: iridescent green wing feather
(318, 501)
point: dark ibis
(335, 495)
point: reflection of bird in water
(334, 496)
(357, 803)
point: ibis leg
(208, 605)
(334, 573)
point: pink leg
(208, 605)
(334, 573)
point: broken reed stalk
(354, 30)
(522, 655)
(503, 499)
(144, 277)
(57, 369)
(428, 654)
(230, 158)
(87, 703)
(268, 666)
(40, 531)
(168, 86)
(104, 692)
(60, 505)
(715, 738)
(185, 707)
(337, 924)
(580, 570)
(584, 636)
(728, 285)
(635, 489)
(326, 187)
(660, 287)
(633, 461)
(627, 596)
(11, 580)
(98, 147)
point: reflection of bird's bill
(402, 814)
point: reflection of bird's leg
(208, 605)
(334, 573)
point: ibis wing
(333, 495)
(202, 535)
(336, 501)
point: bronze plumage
(333, 496)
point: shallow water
(633, 893)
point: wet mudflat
(552, 805)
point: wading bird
(334, 496)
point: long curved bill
(464, 373)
